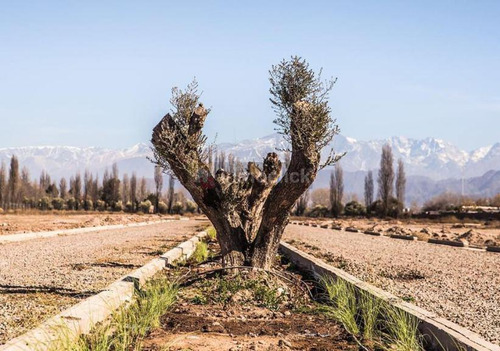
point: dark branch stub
(250, 210)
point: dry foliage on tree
(251, 211)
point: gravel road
(41, 277)
(460, 285)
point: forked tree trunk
(250, 213)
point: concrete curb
(438, 333)
(82, 317)
(493, 248)
(447, 242)
(351, 230)
(370, 232)
(404, 237)
(11, 238)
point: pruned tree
(158, 186)
(369, 190)
(386, 179)
(401, 186)
(250, 213)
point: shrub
(129, 207)
(117, 206)
(101, 205)
(45, 204)
(177, 208)
(191, 206)
(318, 211)
(88, 205)
(145, 206)
(162, 207)
(58, 203)
(71, 204)
(354, 208)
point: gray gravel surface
(460, 285)
(41, 277)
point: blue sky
(99, 73)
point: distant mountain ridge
(432, 165)
(430, 157)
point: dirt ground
(243, 311)
(479, 234)
(38, 221)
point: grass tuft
(342, 298)
(212, 233)
(200, 254)
(377, 322)
(129, 325)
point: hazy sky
(99, 73)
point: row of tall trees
(389, 200)
(389, 183)
(128, 193)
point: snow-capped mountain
(63, 161)
(432, 158)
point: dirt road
(40, 277)
(460, 285)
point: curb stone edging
(404, 237)
(447, 242)
(82, 317)
(438, 333)
(459, 244)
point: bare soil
(244, 311)
(478, 234)
(39, 221)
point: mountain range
(432, 165)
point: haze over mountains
(432, 165)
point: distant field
(478, 233)
(38, 221)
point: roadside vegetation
(130, 324)
(373, 323)
(18, 191)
